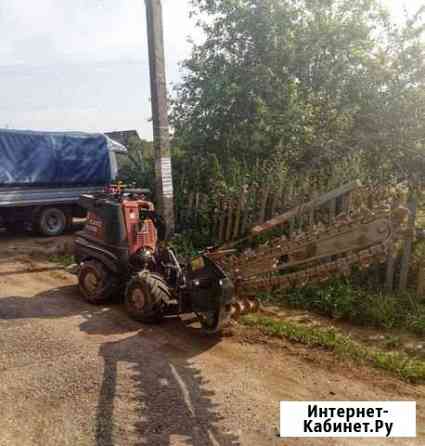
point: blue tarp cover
(53, 158)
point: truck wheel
(146, 296)
(96, 283)
(52, 222)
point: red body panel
(140, 234)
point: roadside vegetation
(341, 300)
(280, 87)
(64, 260)
(400, 364)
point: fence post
(216, 220)
(245, 209)
(332, 210)
(263, 204)
(420, 290)
(389, 273)
(282, 199)
(311, 219)
(222, 220)
(346, 203)
(275, 201)
(407, 247)
(290, 197)
(229, 221)
(239, 207)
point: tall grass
(342, 301)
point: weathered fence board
(222, 217)
(407, 247)
(420, 288)
(237, 219)
(229, 222)
(304, 208)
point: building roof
(123, 136)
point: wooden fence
(233, 216)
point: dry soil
(74, 374)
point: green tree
(390, 124)
(301, 84)
(136, 167)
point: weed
(184, 246)
(65, 260)
(392, 342)
(416, 322)
(341, 300)
(400, 364)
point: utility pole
(163, 172)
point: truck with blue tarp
(43, 174)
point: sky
(83, 65)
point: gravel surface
(74, 374)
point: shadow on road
(173, 403)
(162, 399)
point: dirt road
(73, 374)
